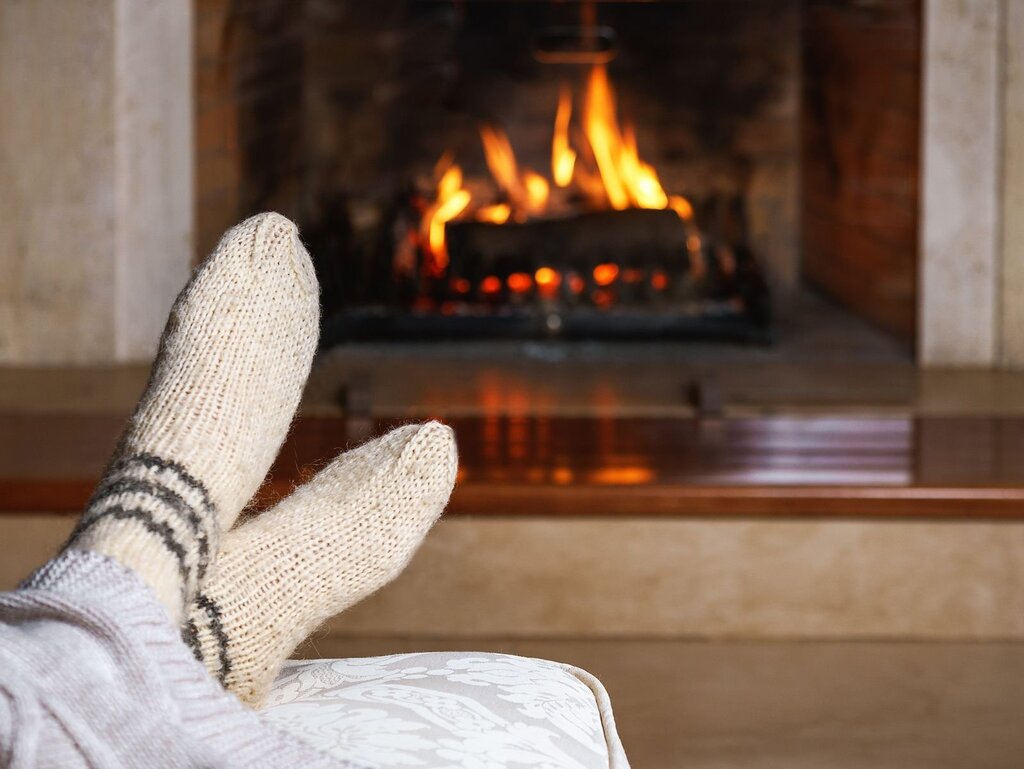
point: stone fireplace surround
(98, 204)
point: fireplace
(604, 170)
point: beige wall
(1012, 299)
(961, 105)
(972, 231)
(674, 579)
(95, 176)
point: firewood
(639, 237)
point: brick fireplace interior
(782, 137)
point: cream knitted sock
(233, 361)
(334, 541)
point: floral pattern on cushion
(450, 709)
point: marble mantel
(97, 158)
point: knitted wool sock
(334, 541)
(233, 360)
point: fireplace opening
(600, 170)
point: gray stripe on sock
(190, 635)
(152, 461)
(213, 611)
(145, 517)
(125, 485)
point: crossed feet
(233, 361)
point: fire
(604, 167)
(602, 130)
(563, 157)
(501, 160)
(496, 214)
(537, 191)
(527, 190)
(627, 180)
(451, 201)
(681, 206)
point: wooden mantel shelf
(963, 467)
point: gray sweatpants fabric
(93, 673)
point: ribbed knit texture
(334, 541)
(93, 674)
(233, 361)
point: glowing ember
(605, 274)
(547, 280)
(632, 275)
(490, 285)
(602, 297)
(576, 283)
(519, 282)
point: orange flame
(527, 190)
(644, 187)
(602, 130)
(563, 157)
(501, 160)
(681, 206)
(451, 201)
(496, 214)
(537, 191)
(607, 169)
(626, 179)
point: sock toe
(277, 241)
(345, 534)
(232, 365)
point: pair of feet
(232, 365)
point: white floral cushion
(449, 709)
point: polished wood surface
(772, 466)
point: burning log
(640, 237)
